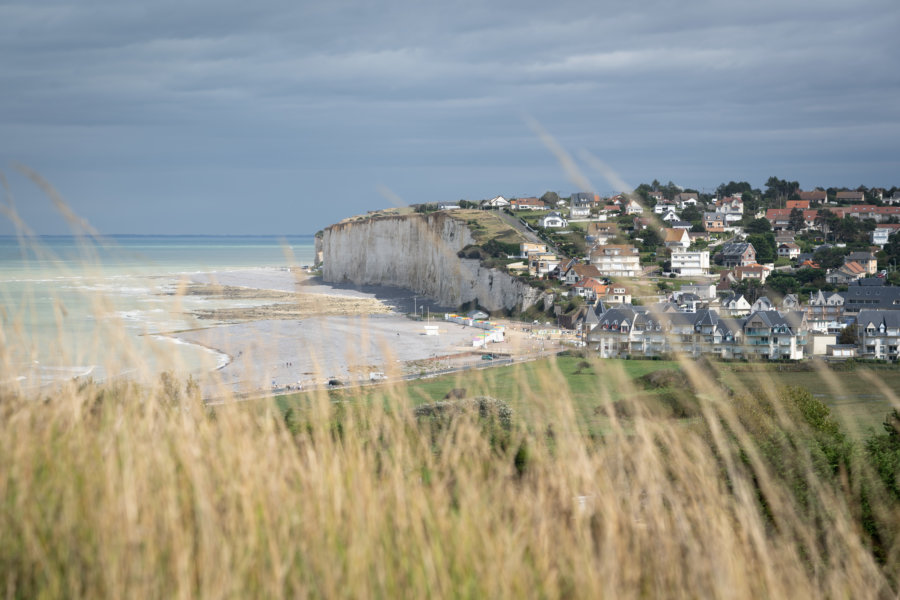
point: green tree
(795, 220)
(826, 221)
(733, 187)
(651, 239)
(550, 198)
(692, 214)
(779, 190)
(758, 226)
(764, 244)
(829, 258)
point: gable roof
(735, 248)
(813, 195)
(888, 318)
(860, 297)
(675, 235)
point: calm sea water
(73, 307)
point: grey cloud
(431, 94)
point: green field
(855, 399)
(537, 390)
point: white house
(676, 238)
(670, 217)
(690, 264)
(580, 210)
(616, 260)
(496, 202)
(632, 207)
(788, 250)
(553, 220)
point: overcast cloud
(282, 117)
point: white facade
(553, 220)
(690, 264)
(617, 261)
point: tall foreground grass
(126, 491)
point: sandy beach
(298, 332)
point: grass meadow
(566, 478)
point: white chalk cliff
(419, 252)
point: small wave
(222, 359)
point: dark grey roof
(869, 281)
(582, 198)
(860, 256)
(861, 297)
(772, 318)
(890, 318)
(735, 248)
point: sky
(282, 117)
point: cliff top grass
(484, 225)
(488, 225)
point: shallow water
(73, 307)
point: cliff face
(419, 252)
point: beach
(300, 333)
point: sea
(100, 308)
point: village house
(527, 204)
(705, 291)
(553, 220)
(663, 207)
(615, 260)
(496, 202)
(526, 248)
(870, 294)
(824, 311)
(769, 334)
(617, 293)
(590, 289)
(689, 264)
(762, 303)
(850, 196)
(588, 199)
(714, 222)
(738, 254)
(578, 272)
(784, 237)
(778, 218)
(790, 302)
(676, 238)
(801, 204)
(846, 273)
(734, 305)
(882, 233)
(670, 217)
(581, 211)
(541, 264)
(788, 250)
(814, 196)
(630, 331)
(879, 214)
(866, 259)
(878, 334)
(641, 223)
(731, 208)
(685, 199)
(758, 272)
(633, 207)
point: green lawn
(853, 398)
(537, 391)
